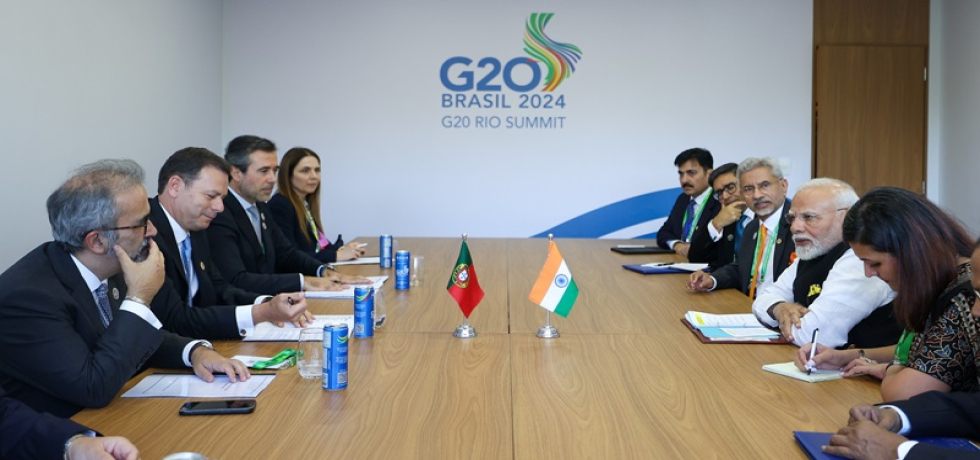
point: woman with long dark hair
(923, 254)
(296, 208)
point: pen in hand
(813, 349)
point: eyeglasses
(133, 227)
(810, 218)
(763, 187)
(730, 189)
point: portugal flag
(555, 289)
(463, 285)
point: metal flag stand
(465, 330)
(548, 331)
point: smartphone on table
(218, 407)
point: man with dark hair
(767, 246)
(250, 250)
(192, 185)
(719, 241)
(694, 208)
(75, 321)
(25, 433)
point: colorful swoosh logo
(560, 58)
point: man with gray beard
(825, 288)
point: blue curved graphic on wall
(617, 216)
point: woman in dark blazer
(296, 208)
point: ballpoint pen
(664, 264)
(813, 350)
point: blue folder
(811, 441)
(656, 270)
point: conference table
(626, 379)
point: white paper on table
(268, 332)
(191, 386)
(359, 261)
(346, 293)
(749, 332)
(701, 319)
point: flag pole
(548, 331)
(465, 330)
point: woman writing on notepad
(296, 208)
(924, 255)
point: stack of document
(268, 332)
(736, 328)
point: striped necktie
(186, 256)
(102, 294)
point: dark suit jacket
(738, 274)
(25, 433)
(285, 216)
(240, 258)
(212, 288)
(55, 355)
(674, 225)
(942, 414)
(715, 253)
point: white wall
(960, 109)
(99, 79)
(358, 82)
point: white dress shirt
(846, 298)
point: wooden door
(870, 115)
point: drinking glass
(310, 362)
(418, 270)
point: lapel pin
(202, 266)
(779, 241)
(731, 237)
(115, 293)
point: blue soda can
(363, 312)
(401, 269)
(335, 338)
(385, 251)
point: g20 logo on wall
(484, 83)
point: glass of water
(310, 362)
(418, 270)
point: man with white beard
(826, 288)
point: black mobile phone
(230, 406)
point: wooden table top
(625, 380)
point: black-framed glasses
(810, 218)
(128, 227)
(730, 189)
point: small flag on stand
(463, 285)
(555, 289)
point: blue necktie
(187, 257)
(689, 222)
(102, 293)
(253, 214)
(742, 222)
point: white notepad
(347, 293)
(268, 332)
(789, 370)
(191, 386)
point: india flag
(555, 289)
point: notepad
(789, 370)
(347, 293)
(268, 332)
(811, 441)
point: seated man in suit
(250, 250)
(767, 248)
(75, 321)
(25, 433)
(718, 242)
(825, 288)
(694, 208)
(879, 432)
(192, 185)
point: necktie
(187, 257)
(102, 293)
(253, 214)
(689, 222)
(758, 260)
(739, 229)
